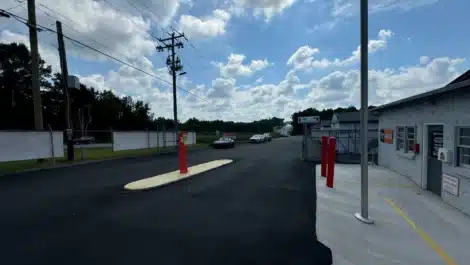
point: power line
(102, 53)
(71, 27)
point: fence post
(52, 143)
(164, 136)
(112, 138)
(182, 154)
(158, 138)
(324, 155)
(331, 162)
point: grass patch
(100, 153)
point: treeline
(96, 110)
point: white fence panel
(170, 139)
(130, 140)
(30, 145)
(191, 138)
(153, 139)
(144, 139)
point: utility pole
(363, 216)
(174, 66)
(65, 74)
(35, 85)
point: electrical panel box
(73, 82)
(444, 155)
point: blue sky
(256, 59)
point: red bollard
(182, 154)
(324, 155)
(331, 162)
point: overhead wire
(74, 29)
(25, 21)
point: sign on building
(450, 184)
(386, 136)
(308, 119)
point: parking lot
(258, 210)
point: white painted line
(174, 176)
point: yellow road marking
(174, 176)
(426, 238)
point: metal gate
(311, 145)
(348, 143)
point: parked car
(257, 139)
(268, 137)
(224, 142)
(84, 140)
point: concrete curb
(80, 163)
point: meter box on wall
(444, 155)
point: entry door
(435, 141)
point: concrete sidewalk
(412, 226)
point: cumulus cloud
(47, 53)
(235, 67)
(343, 88)
(228, 102)
(344, 8)
(303, 58)
(115, 27)
(261, 8)
(205, 27)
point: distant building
(352, 121)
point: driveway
(258, 210)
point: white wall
(25, 145)
(450, 110)
(130, 140)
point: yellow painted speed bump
(174, 176)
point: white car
(257, 138)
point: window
(401, 138)
(463, 147)
(406, 138)
(410, 139)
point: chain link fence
(348, 143)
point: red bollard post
(331, 162)
(182, 154)
(324, 155)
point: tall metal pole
(173, 72)
(35, 85)
(65, 74)
(364, 214)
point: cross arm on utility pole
(173, 36)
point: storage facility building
(427, 138)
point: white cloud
(303, 59)
(264, 8)
(343, 88)
(210, 26)
(47, 53)
(423, 60)
(235, 67)
(117, 28)
(222, 88)
(342, 8)
(259, 80)
(252, 102)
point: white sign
(309, 119)
(450, 184)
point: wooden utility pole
(174, 66)
(65, 74)
(35, 85)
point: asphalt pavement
(258, 210)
